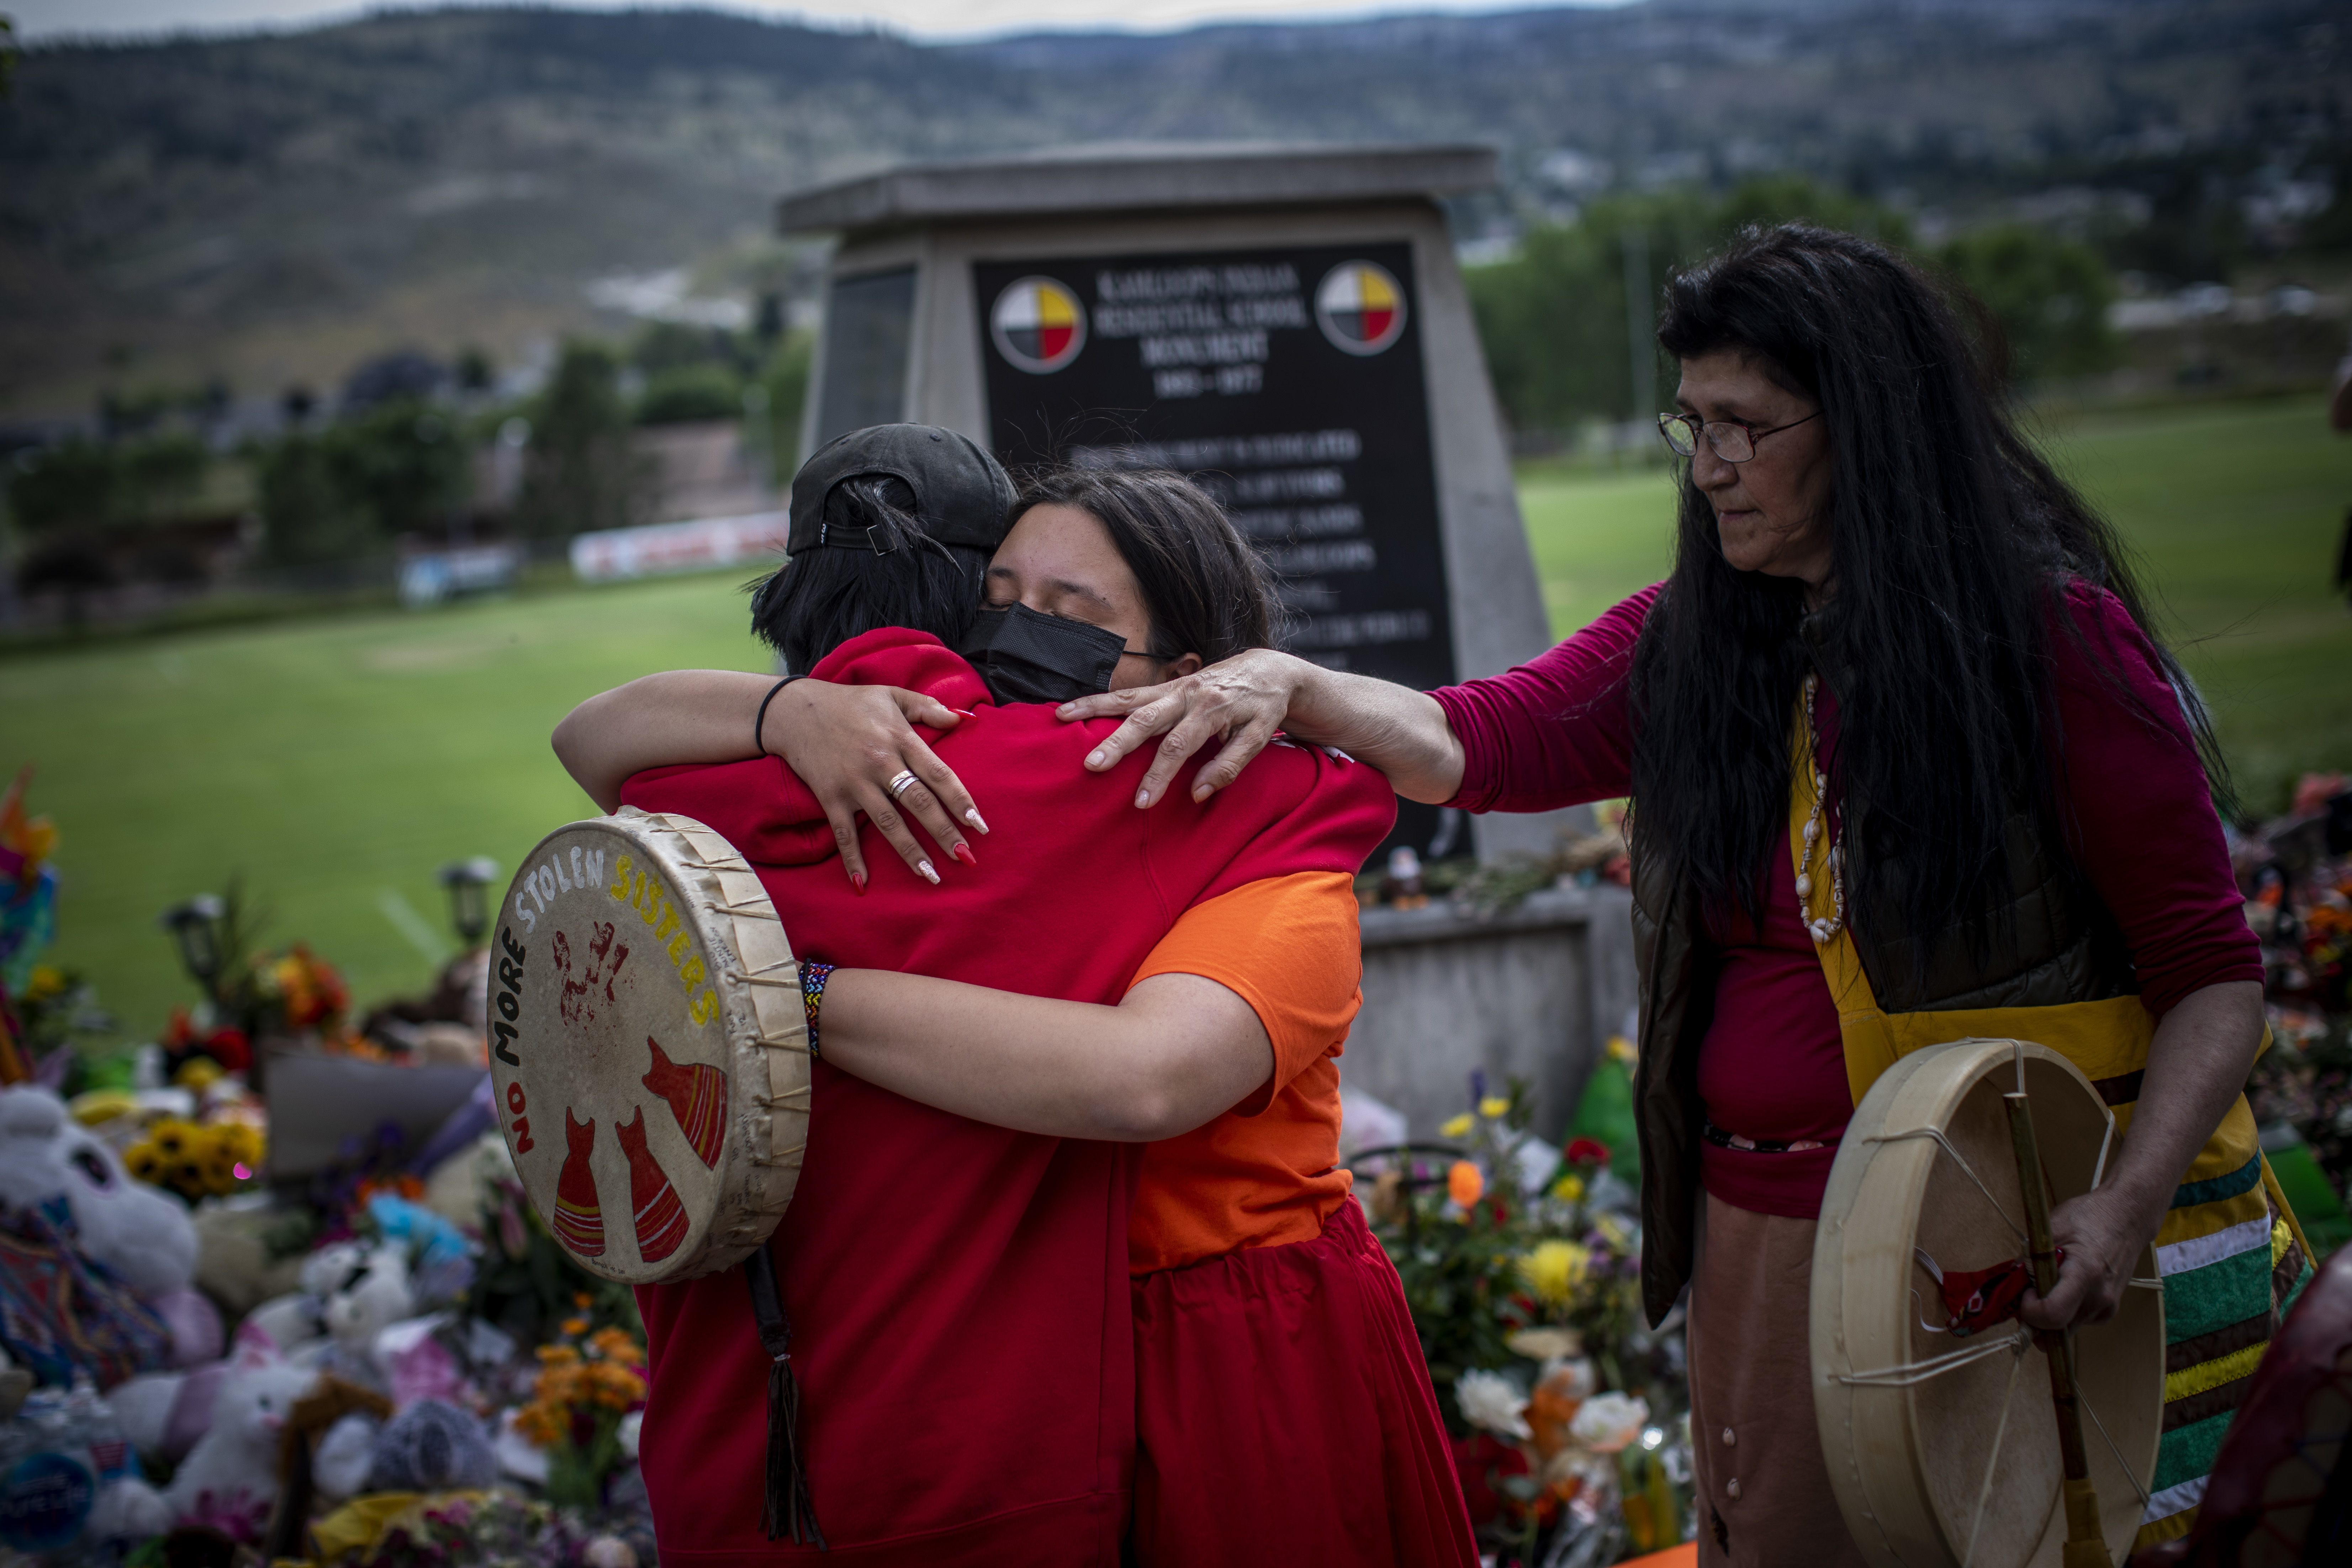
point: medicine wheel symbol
(1360, 307)
(1038, 325)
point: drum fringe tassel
(787, 1510)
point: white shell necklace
(1823, 930)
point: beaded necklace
(1823, 930)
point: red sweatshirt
(958, 1292)
(2140, 821)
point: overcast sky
(924, 18)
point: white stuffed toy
(230, 1480)
(352, 1291)
(362, 1289)
(141, 1235)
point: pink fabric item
(1556, 732)
(194, 1324)
(191, 1410)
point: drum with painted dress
(649, 1053)
(1934, 1404)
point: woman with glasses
(1898, 714)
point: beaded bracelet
(812, 979)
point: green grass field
(336, 763)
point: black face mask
(1027, 657)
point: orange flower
(545, 1425)
(558, 1355)
(613, 1387)
(1549, 1410)
(576, 1327)
(615, 1345)
(1464, 1183)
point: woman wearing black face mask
(1255, 1288)
(1068, 587)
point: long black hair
(1952, 541)
(901, 576)
(1206, 590)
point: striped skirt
(2232, 1264)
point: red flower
(1588, 1151)
(229, 1047)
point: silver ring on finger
(904, 781)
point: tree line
(1566, 322)
(399, 458)
(1565, 348)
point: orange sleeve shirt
(1266, 1172)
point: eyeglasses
(1730, 439)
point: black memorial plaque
(1288, 381)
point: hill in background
(273, 209)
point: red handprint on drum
(696, 1095)
(579, 1219)
(661, 1217)
(604, 962)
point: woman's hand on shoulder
(848, 743)
(1243, 700)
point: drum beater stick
(2086, 1543)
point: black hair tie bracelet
(760, 720)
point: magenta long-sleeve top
(1772, 1069)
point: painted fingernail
(962, 852)
(1144, 797)
(857, 880)
(972, 815)
(1065, 709)
(1093, 758)
(929, 875)
(960, 712)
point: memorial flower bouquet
(1454, 1217)
(452, 1529)
(589, 1385)
(300, 991)
(196, 1160)
(1521, 1265)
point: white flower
(1608, 1422)
(1490, 1399)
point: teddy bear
(143, 1236)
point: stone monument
(1287, 324)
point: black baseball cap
(962, 494)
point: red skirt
(1284, 1415)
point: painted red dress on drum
(958, 1292)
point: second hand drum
(649, 1052)
(1945, 1447)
